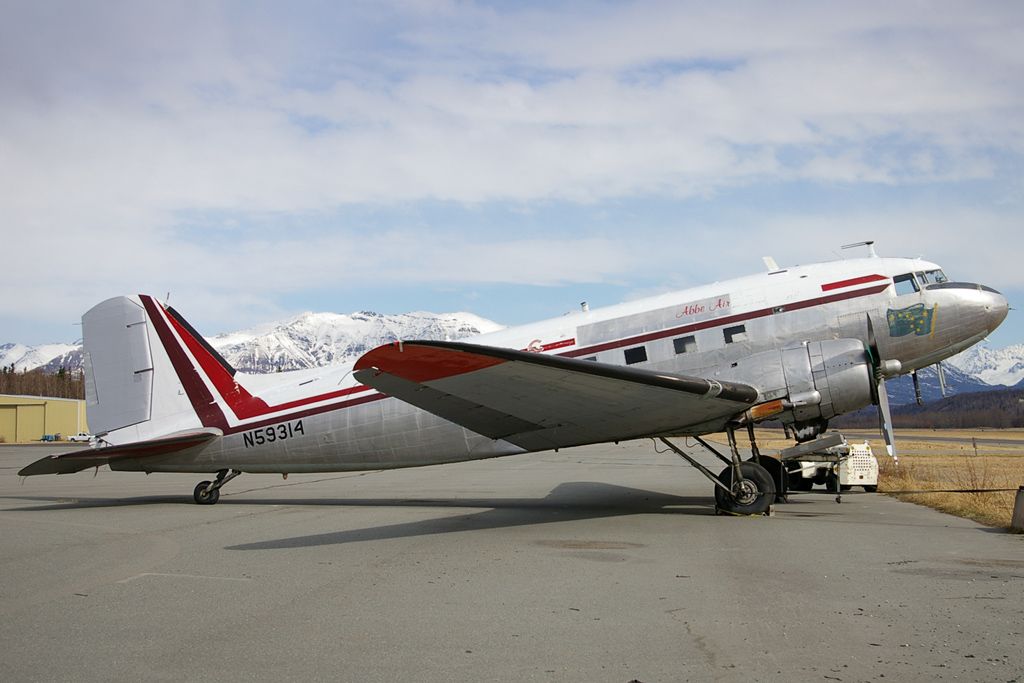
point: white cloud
(120, 119)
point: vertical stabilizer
(132, 390)
(118, 365)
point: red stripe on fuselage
(558, 344)
(839, 284)
(718, 322)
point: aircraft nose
(996, 307)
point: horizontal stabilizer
(76, 461)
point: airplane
(799, 345)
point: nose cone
(996, 307)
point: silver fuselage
(697, 332)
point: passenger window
(635, 355)
(905, 284)
(685, 344)
(737, 333)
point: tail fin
(150, 375)
(134, 383)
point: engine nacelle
(811, 382)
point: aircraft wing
(539, 401)
(75, 461)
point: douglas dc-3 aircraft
(799, 345)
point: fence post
(1018, 512)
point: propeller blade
(884, 414)
(885, 419)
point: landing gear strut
(208, 492)
(743, 487)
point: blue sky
(510, 159)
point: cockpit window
(905, 284)
(931, 277)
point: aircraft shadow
(566, 502)
(565, 497)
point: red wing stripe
(839, 284)
(423, 363)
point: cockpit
(908, 283)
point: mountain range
(304, 341)
(315, 339)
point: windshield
(931, 277)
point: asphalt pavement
(601, 563)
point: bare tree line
(60, 384)
(994, 409)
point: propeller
(881, 369)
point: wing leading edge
(539, 401)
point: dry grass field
(942, 460)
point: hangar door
(8, 423)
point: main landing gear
(744, 487)
(208, 492)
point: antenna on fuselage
(870, 244)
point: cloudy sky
(509, 159)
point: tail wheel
(205, 496)
(753, 495)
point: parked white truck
(852, 464)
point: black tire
(204, 497)
(831, 483)
(756, 494)
(780, 478)
(845, 487)
(870, 488)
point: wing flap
(540, 401)
(76, 461)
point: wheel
(752, 496)
(204, 497)
(845, 487)
(780, 478)
(870, 488)
(831, 483)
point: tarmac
(602, 563)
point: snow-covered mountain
(29, 357)
(305, 341)
(316, 339)
(901, 389)
(993, 366)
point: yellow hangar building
(28, 418)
